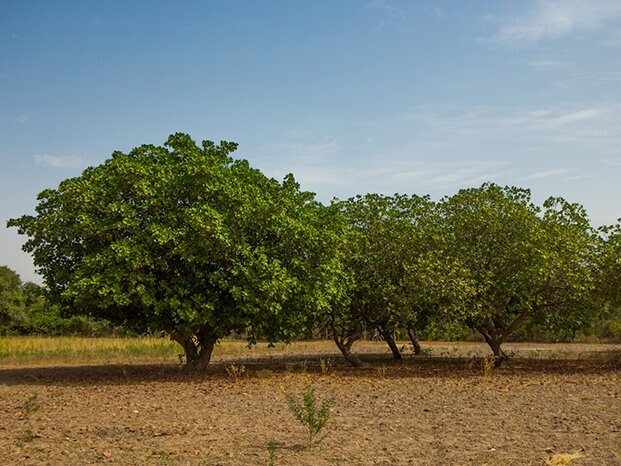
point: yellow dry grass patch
(65, 349)
(563, 458)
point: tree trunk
(344, 343)
(414, 340)
(499, 355)
(190, 349)
(494, 341)
(389, 338)
(201, 363)
(345, 347)
(197, 349)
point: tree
(12, 301)
(183, 238)
(393, 252)
(526, 264)
(609, 264)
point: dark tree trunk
(345, 346)
(499, 355)
(344, 343)
(414, 340)
(201, 363)
(197, 348)
(494, 340)
(390, 339)
(188, 344)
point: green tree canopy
(609, 264)
(396, 257)
(12, 299)
(185, 239)
(527, 264)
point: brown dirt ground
(424, 411)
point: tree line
(185, 239)
(24, 310)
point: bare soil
(430, 410)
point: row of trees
(24, 310)
(185, 239)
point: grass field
(75, 349)
(62, 350)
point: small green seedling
(312, 416)
(31, 405)
(271, 449)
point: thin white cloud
(59, 161)
(21, 119)
(391, 17)
(436, 149)
(546, 64)
(597, 126)
(614, 162)
(438, 12)
(552, 19)
(311, 163)
(389, 9)
(580, 115)
(468, 173)
(547, 173)
(584, 176)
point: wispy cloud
(456, 173)
(21, 119)
(613, 162)
(547, 173)
(580, 115)
(328, 169)
(437, 149)
(552, 19)
(391, 17)
(387, 8)
(597, 125)
(438, 12)
(546, 64)
(59, 161)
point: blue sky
(422, 97)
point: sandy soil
(424, 411)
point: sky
(414, 97)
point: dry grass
(563, 458)
(62, 350)
(75, 349)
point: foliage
(402, 276)
(12, 299)
(444, 330)
(608, 260)
(311, 414)
(526, 264)
(183, 238)
(24, 310)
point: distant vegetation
(186, 240)
(24, 310)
